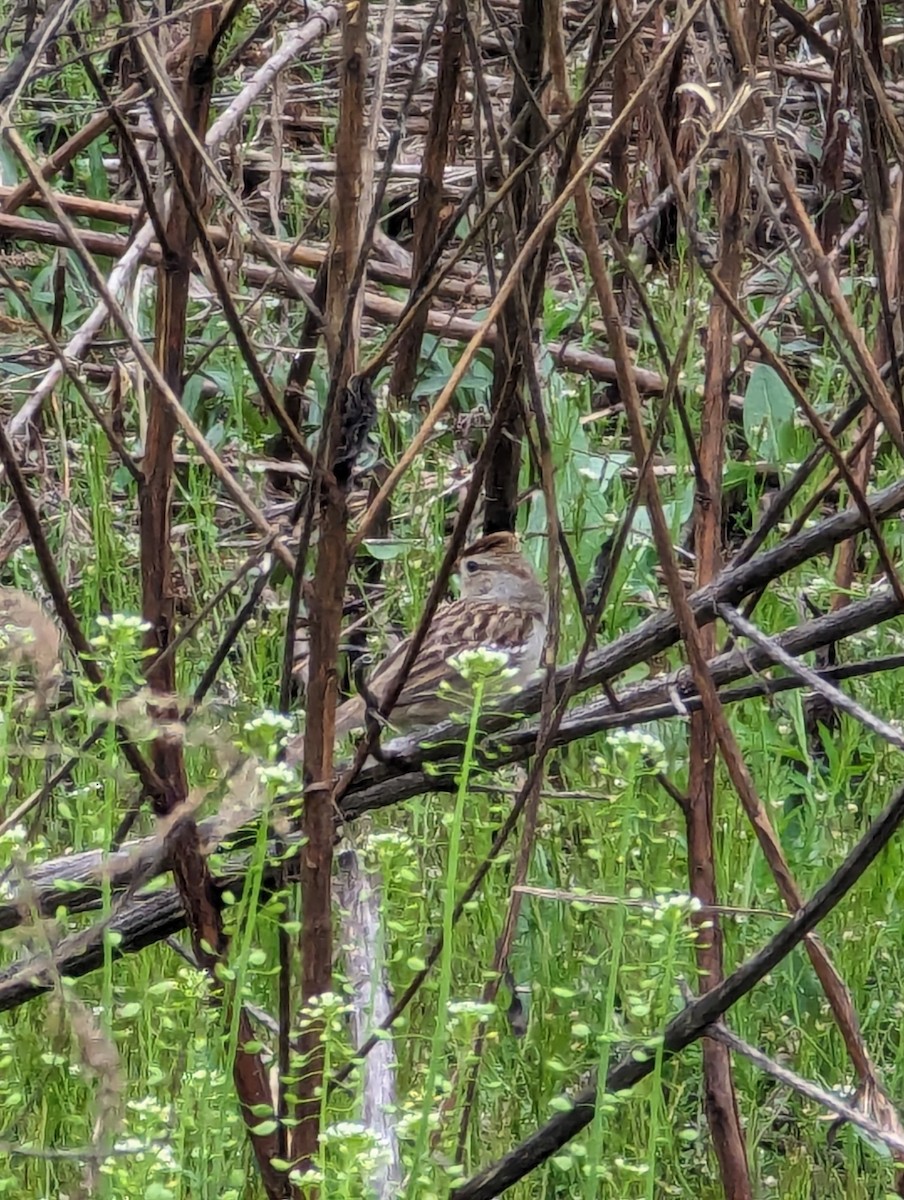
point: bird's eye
(472, 566)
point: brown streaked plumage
(502, 606)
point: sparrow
(502, 606)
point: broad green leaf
(768, 415)
(386, 549)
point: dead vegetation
(340, 199)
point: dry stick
(892, 1138)
(225, 25)
(292, 253)
(372, 730)
(671, 396)
(693, 1021)
(346, 303)
(364, 946)
(811, 678)
(720, 1098)
(878, 395)
(359, 919)
(94, 1044)
(155, 496)
(533, 242)
(185, 194)
(378, 307)
(697, 806)
(354, 303)
(320, 22)
(191, 868)
(112, 305)
(836, 993)
(426, 219)
(79, 344)
(518, 215)
(287, 871)
(592, 719)
(720, 1104)
(349, 247)
(845, 565)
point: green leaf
(265, 1128)
(9, 170)
(768, 414)
(386, 549)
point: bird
(502, 606)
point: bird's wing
(460, 625)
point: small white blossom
(483, 663)
(267, 721)
(280, 774)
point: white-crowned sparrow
(503, 607)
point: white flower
(483, 663)
(267, 721)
